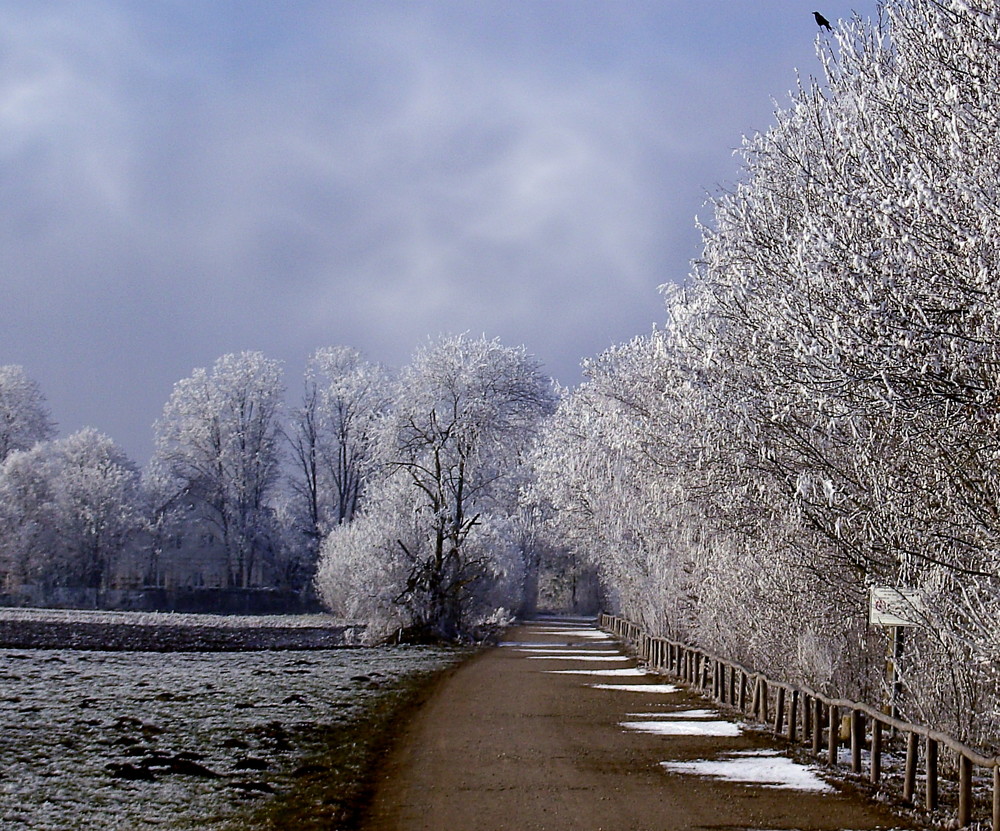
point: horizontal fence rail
(800, 714)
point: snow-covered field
(137, 740)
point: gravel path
(529, 736)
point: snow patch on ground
(676, 727)
(634, 672)
(684, 714)
(589, 634)
(763, 768)
(566, 649)
(579, 657)
(641, 688)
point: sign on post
(894, 607)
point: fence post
(857, 739)
(910, 774)
(793, 716)
(817, 726)
(876, 760)
(931, 782)
(996, 798)
(964, 790)
(779, 711)
(694, 666)
(834, 734)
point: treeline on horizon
(424, 466)
(819, 415)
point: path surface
(511, 741)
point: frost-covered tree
(854, 318)
(24, 415)
(68, 510)
(820, 415)
(218, 453)
(333, 434)
(616, 463)
(437, 531)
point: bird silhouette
(822, 21)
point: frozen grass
(169, 619)
(138, 740)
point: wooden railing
(802, 714)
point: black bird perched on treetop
(822, 21)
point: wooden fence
(802, 714)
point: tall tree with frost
(217, 445)
(68, 510)
(438, 528)
(24, 415)
(836, 355)
(332, 434)
(856, 316)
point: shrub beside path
(520, 738)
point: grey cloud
(177, 185)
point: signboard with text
(894, 607)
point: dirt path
(506, 743)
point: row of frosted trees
(406, 483)
(76, 512)
(821, 413)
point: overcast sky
(184, 178)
